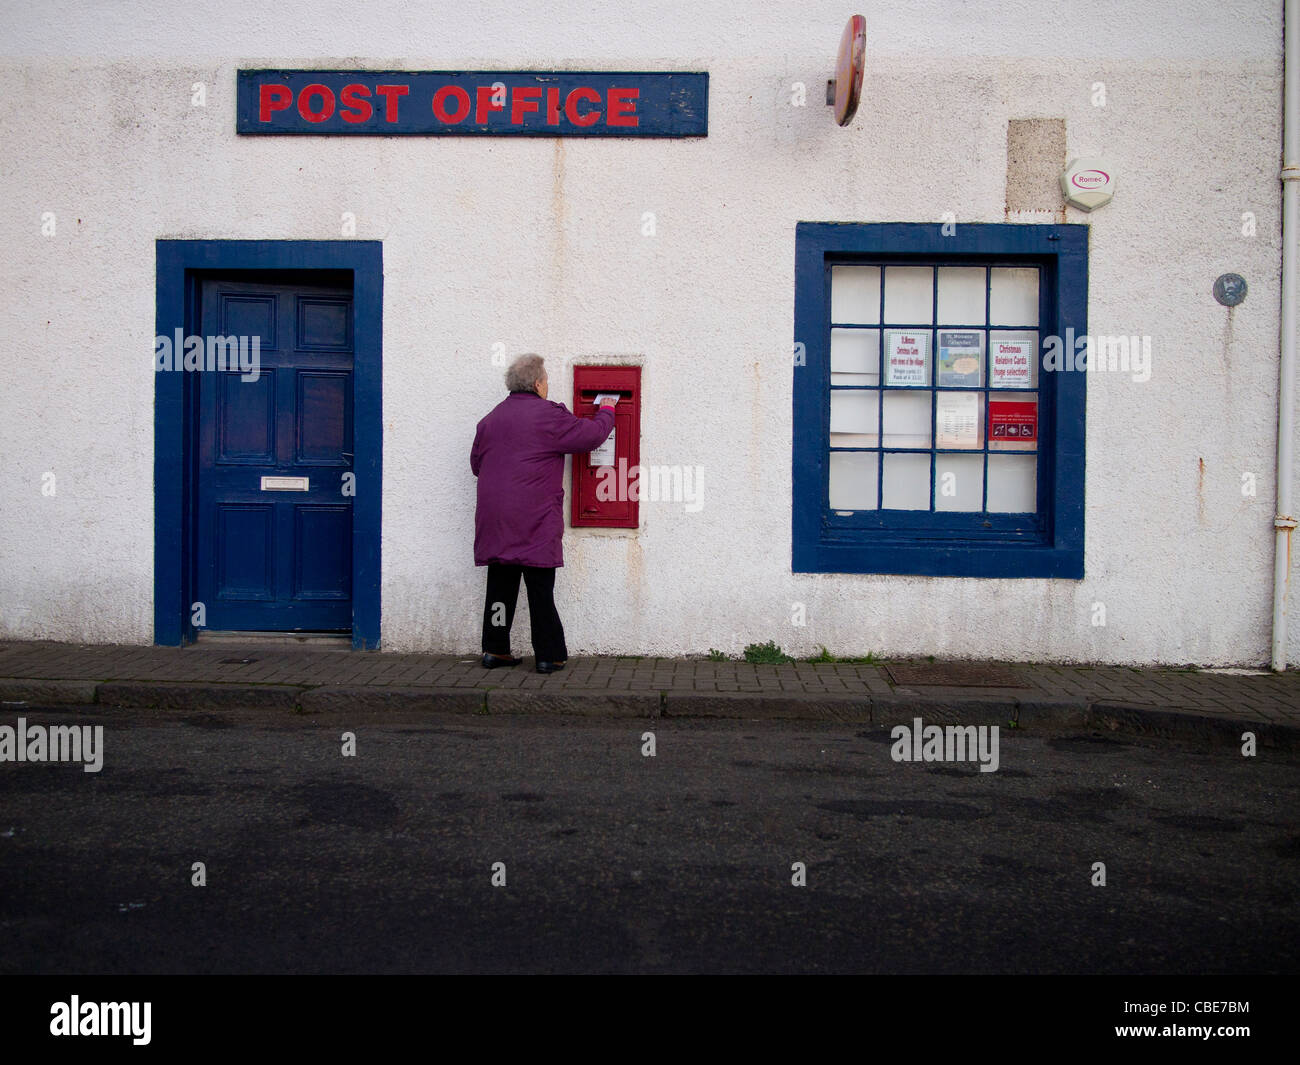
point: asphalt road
(617, 862)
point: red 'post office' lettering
(462, 104)
(526, 99)
(571, 106)
(391, 94)
(354, 107)
(270, 98)
(304, 102)
(622, 107)
(485, 104)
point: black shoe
(549, 667)
(493, 661)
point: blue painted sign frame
(556, 103)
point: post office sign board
(493, 102)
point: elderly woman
(518, 458)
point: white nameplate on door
(284, 484)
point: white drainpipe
(1285, 521)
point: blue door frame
(181, 264)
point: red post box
(605, 485)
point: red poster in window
(1012, 420)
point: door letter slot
(285, 484)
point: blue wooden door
(274, 501)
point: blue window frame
(920, 446)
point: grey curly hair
(525, 373)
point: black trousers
(499, 610)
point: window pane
(853, 481)
(961, 295)
(1012, 484)
(1013, 359)
(907, 419)
(907, 482)
(960, 363)
(855, 351)
(854, 418)
(855, 294)
(1013, 296)
(907, 358)
(909, 294)
(959, 419)
(1013, 422)
(958, 482)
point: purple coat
(518, 458)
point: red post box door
(606, 496)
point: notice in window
(1013, 421)
(960, 354)
(907, 359)
(956, 418)
(1011, 361)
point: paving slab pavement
(282, 676)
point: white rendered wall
(538, 244)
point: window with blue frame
(929, 438)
